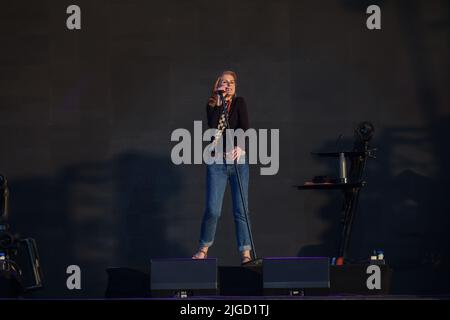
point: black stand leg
(351, 202)
(247, 219)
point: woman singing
(218, 174)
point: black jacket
(237, 117)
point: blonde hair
(231, 73)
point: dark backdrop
(86, 118)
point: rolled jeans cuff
(205, 244)
(244, 248)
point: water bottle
(2, 261)
(342, 168)
(374, 256)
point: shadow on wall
(405, 212)
(97, 215)
(330, 212)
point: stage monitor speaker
(291, 275)
(352, 279)
(183, 277)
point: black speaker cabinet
(183, 277)
(291, 275)
(352, 279)
(127, 283)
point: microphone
(220, 97)
(220, 94)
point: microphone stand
(255, 260)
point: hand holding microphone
(219, 90)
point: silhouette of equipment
(350, 181)
(16, 278)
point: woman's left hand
(236, 153)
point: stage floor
(331, 297)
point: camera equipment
(13, 281)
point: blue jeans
(217, 176)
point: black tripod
(255, 260)
(12, 280)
